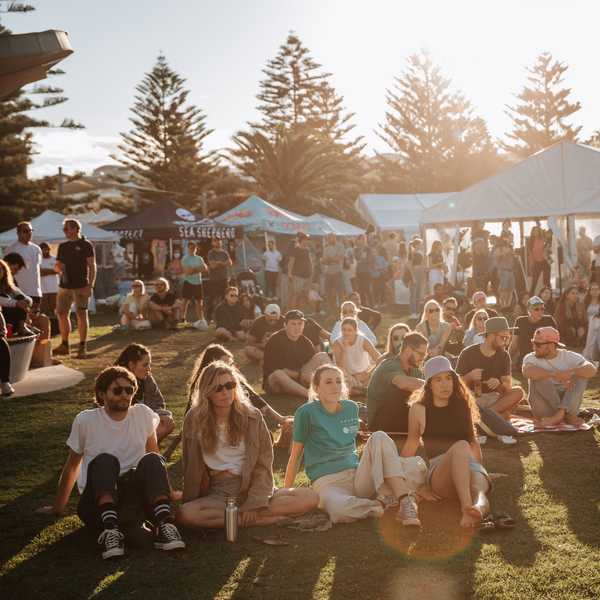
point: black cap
(294, 314)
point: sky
(221, 47)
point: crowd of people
(428, 389)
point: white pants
(348, 495)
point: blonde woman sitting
(434, 328)
(355, 355)
(475, 334)
(227, 451)
(134, 309)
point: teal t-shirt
(329, 439)
(193, 262)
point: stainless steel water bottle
(231, 520)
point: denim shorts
(474, 467)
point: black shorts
(191, 291)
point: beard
(117, 405)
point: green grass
(551, 489)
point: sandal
(504, 521)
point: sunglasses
(233, 296)
(433, 310)
(229, 385)
(397, 338)
(127, 390)
(538, 344)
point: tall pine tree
(20, 196)
(165, 146)
(438, 143)
(540, 117)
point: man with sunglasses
(114, 457)
(163, 306)
(525, 327)
(455, 341)
(228, 317)
(557, 379)
(485, 368)
(479, 301)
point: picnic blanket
(528, 425)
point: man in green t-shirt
(193, 267)
(392, 383)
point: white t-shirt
(226, 457)
(565, 360)
(28, 279)
(49, 282)
(93, 432)
(272, 259)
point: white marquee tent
(397, 211)
(48, 227)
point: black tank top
(444, 426)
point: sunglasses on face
(538, 309)
(127, 390)
(433, 310)
(397, 338)
(229, 385)
(538, 344)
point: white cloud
(73, 150)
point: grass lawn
(552, 490)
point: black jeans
(134, 492)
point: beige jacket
(257, 471)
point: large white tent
(48, 227)
(397, 211)
(558, 181)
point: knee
(459, 448)
(518, 392)
(307, 499)
(151, 458)
(184, 515)
(105, 460)
(380, 438)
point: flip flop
(487, 524)
(504, 521)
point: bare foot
(574, 420)
(472, 516)
(554, 420)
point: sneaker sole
(174, 545)
(411, 523)
(113, 553)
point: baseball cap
(294, 314)
(272, 309)
(478, 295)
(436, 365)
(548, 335)
(496, 324)
(535, 301)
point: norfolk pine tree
(164, 148)
(540, 117)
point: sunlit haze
(220, 48)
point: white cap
(272, 309)
(436, 365)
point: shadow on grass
(570, 472)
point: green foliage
(164, 148)
(439, 144)
(540, 117)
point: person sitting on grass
(557, 379)
(356, 356)
(475, 333)
(349, 489)
(134, 309)
(248, 310)
(392, 383)
(443, 414)
(349, 310)
(114, 457)
(479, 301)
(228, 317)
(260, 332)
(455, 340)
(13, 302)
(486, 369)
(290, 358)
(370, 316)
(571, 319)
(434, 328)
(227, 451)
(163, 306)
(6, 389)
(138, 360)
(395, 336)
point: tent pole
(244, 253)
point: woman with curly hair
(443, 414)
(227, 451)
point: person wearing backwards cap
(479, 301)
(486, 369)
(443, 413)
(526, 325)
(262, 329)
(557, 379)
(290, 358)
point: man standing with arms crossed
(76, 265)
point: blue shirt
(329, 439)
(193, 261)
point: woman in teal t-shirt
(349, 489)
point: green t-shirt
(192, 261)
(385, 402)
(329, 439)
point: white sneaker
(408, 513)
(7, 389)
(200, 325)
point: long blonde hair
(205, 416)
(428, 305)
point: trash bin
(21, 351)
